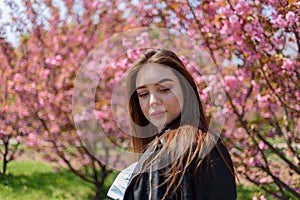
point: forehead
(153, 73)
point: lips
(157, 114)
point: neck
(172, 125)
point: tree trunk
(98, 192)
(4, 159)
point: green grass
(28, 180)
(36, 180)
(247, 192)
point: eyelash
(146, 93)
(165, 89)
(142, 95)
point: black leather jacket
(212, 180)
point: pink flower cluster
(56, 61)
(281, 21)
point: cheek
(181, 101)
(176, 99)
(145, 107)
(179, 98)
(172, 102)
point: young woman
(180, 158)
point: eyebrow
(161, 81)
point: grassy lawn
(247, 192)
(37, 181)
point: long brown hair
(186, 133)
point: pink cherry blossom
(262, 197)
(288, 65)
(250, 42)
(280, 22)
(291, 18)
(248, 28)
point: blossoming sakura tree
(254, 44)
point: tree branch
(276, 179)
(291, 165)
(199, 28)
(274, 92)
(262, 186)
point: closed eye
(143, 94)
(165, 89)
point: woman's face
(160, 94)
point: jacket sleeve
(213, 179)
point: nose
(154, 99)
